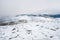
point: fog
(15, 7)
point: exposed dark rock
(14, 29)
(23, 21)
(11, 23)
(10, 38)
(57, 28)
(51, 36)
(29, 31)
(13, 32)
(53, 29)
(37, 25)
(7, 23)
(3, 24)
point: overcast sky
(14, 7)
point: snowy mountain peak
(30, 27)
(26, 17)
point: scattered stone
(41, 26)
(3, 24)
(13, 32)
(57, 28)
(14, 29)
(45, 35)
(23, 21)
(10, 38)
(11, 23)
(17, 30)
(53, 29)
(29, 31)
(37, 25)
(51, 36)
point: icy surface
(30, 28)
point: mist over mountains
(41, 15)
(15, 20)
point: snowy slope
(30, 28)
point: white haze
(15, 7)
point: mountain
(30, 27)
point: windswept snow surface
(30, 28)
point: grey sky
(14, 7)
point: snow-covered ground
(30, 28)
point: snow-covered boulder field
(30, 28)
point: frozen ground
(30, 28)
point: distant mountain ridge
(41, 15)
(17, 18)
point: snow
(31, 28)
